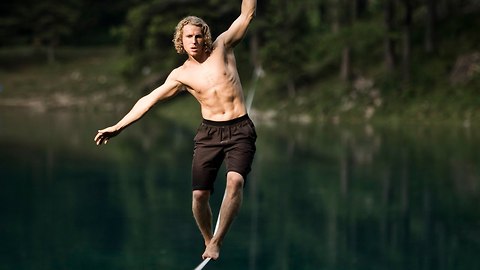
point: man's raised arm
(239, 27)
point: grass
(81, 78)
(90, 79)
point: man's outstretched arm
(239, 27)
(168, 89)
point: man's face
(192, 39)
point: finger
(100, 139)
(99, 134)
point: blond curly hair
(193, 20)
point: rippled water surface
(319, 196)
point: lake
(320, 196)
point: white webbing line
(257, 73)
(200, 266)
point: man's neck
(199, 58)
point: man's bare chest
(206, 77)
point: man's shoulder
(175, 75)
(178, 71)
(181, 73)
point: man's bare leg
(202, 213)
(228, 211)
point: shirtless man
(226, 132)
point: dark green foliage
(315, 50)
(149, 29)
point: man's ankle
(215, 241)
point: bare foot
(211, 251)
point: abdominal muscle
(221, 104)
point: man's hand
(106, 134)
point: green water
(319, 197)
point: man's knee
(235, 180)
(201, 195)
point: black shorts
(232, 141)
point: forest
(413, 59)
(368, 118)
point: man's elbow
(250, 15)
(250, 10)
(253, 11)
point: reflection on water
(319, 197)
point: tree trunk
(292, 91)
(450, 7)
(335, 13)
(430, 41)
(390, 56)
(254, 52)
(407, 42)
(346, 67)
(360, 8)
(347, 19)
(51, 54)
